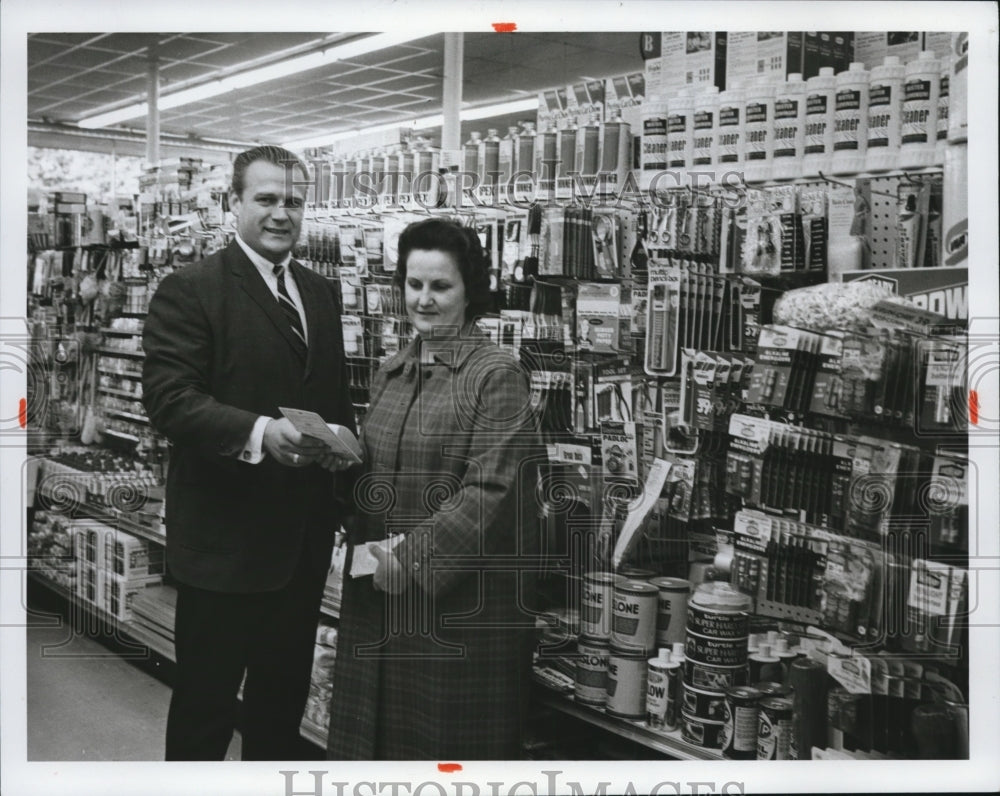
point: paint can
(595, 616)
(626, 688)
(591, 683)
(633, 615)
(710, 705)
(671, 616)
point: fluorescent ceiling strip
(252, 77)
(423, 123)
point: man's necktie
(290, 310)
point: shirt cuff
(252, 452)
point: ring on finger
(295, 458)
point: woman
(434, 648)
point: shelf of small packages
(668, 742)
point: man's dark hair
(462, 243)
(277, 155)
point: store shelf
(120, 393)
(110, 432)
(127, 415)
(668, 743)
(117, 352)
(128, 374)
(122, 332)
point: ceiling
(74, 75)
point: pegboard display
(882, 198)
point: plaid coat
(441, 671)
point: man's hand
(288, 446)
(332, 462)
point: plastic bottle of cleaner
(759, 130)
(920, 103)
(470, 159)
(653, 157)
(680, 133)
(958, 114)
(821, 96)
(885, 89)
(489, 157)
(850, 125)
(706, 106)
(524, 151)
(730, 130)
(508, 145)
(943, 108)
(789, 127)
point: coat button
(416, 566)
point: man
(251, 504)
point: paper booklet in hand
(340, 438)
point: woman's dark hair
(462, 243)
(275, 155)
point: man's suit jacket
(219, 353)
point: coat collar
(452, 352)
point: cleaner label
(786, 129)
(729, 134)
(703, 132)
(677, 127)
(847, 120)
(756, 144)
(942, 108)
(815, 142)
(916, 111)
(879, 115)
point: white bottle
(850, 125)
(958, 113)
(789, 127)
(759, 146)
(731, 130)
(920, 104)
(653, 158)
(680, 133)
(821, 98)
(706, 107)
(943, 109)
(885, 107)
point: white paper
(364, 562)
(639, 509)
(340, 438)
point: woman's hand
(389, 576)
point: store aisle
(86, 702)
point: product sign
(941, 290)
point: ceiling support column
(153, 111)
(451, 100)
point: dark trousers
(268, 635)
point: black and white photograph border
(21, 776)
